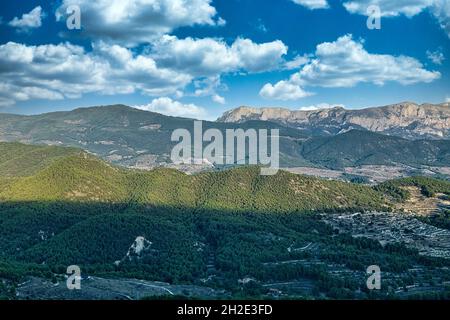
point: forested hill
(356, 147)
(18, 159)
(123, 135)
(71, 175)
(211, 229)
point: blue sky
(198, 58)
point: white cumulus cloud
(345, 63)
(389, 8)
(296, 63)
(218, 99)
(164, 68)
(283, 90)
(208, 59)
(313, 4)
(321, 106)
(437, 57)
(173, 108)
(130, 22)
(440, 9)
(67, 71)
(30, 20)
(208, 56)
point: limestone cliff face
(408, 120)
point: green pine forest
(62, 206)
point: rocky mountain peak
(405, 119)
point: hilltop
(83, 177)
(72, 175)
(123, 135)
(18, 159)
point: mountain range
(407, 120)
(121, 134)
(405, 134)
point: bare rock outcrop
(407, 119)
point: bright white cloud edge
(313, 4)
(30, 20)
(169, 107)
(345, 63)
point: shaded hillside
(208, 248)
(356, 148)
(209, 230)
(429, 187)
(429, 198)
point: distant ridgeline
(408, 120)
(135, 138)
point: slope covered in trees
(356, 147)
(82, 177)
(18, 159)
(210, 229)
